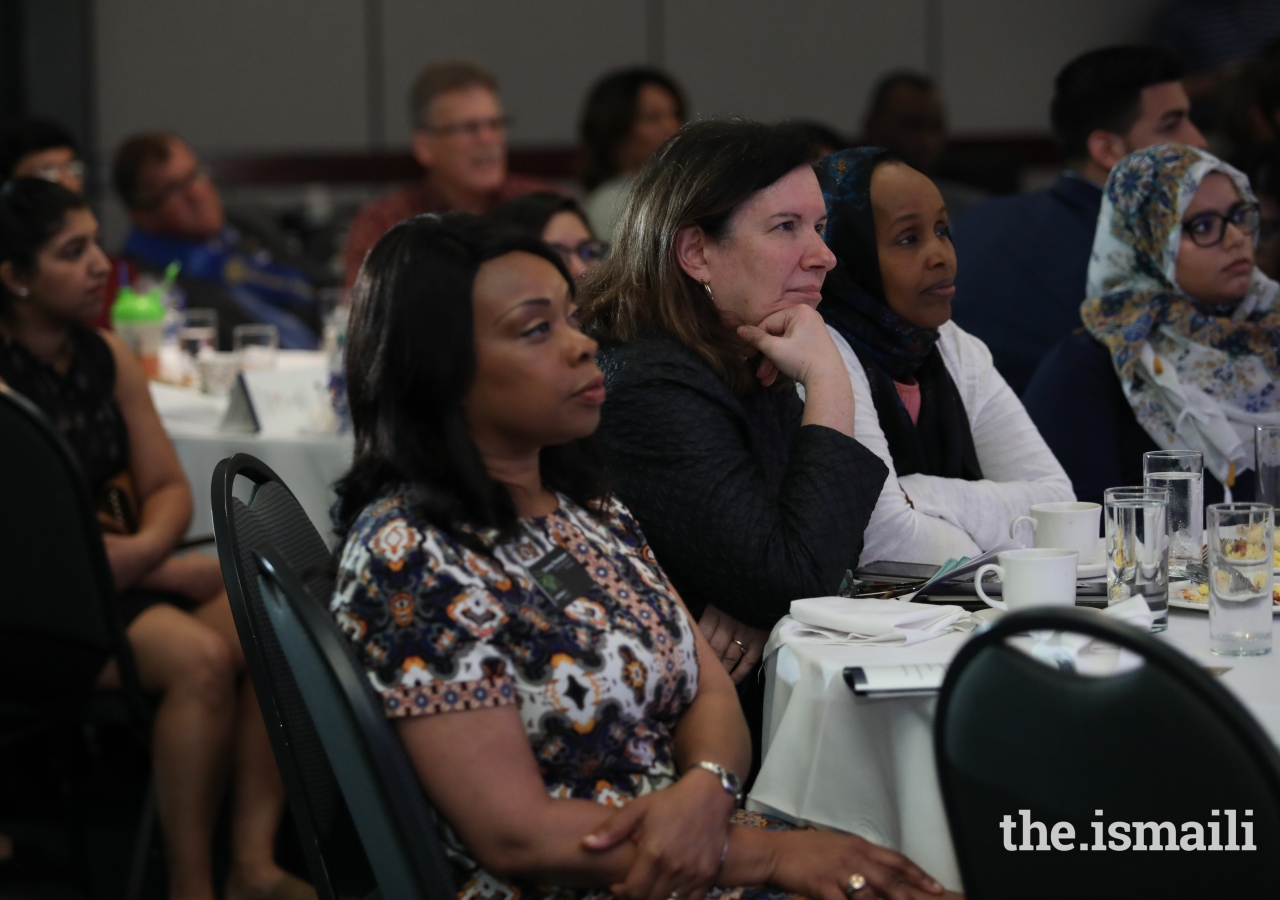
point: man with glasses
(35, 148)
(239, 267)
(460, 138)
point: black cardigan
(744, 508)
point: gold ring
(856, 883)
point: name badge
(561, 577)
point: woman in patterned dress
(543, 673)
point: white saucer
(1091, 570)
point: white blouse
(952, 517)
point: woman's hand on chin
(795, 342)
(680, 834)
(819, 864)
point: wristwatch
(731, 783)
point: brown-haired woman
(706, 313)
(628, 115)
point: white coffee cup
(1033, 577)
(1067, 525)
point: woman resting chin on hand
(565, 715)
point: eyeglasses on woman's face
(589, 251)
(55, 172)
(1208, 229)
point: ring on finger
(855, 883)
(741, 646)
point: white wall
(291, 75)
(999, 57)
(232, 75)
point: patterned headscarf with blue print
(1196, 377)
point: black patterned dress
(81, 403)
(600, 682)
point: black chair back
(396, 824)
(272, 514)
(57, 596)
(1146, 754)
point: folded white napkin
(842, 620)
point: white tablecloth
(866, 766)
(308, 465)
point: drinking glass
(1138, 548)
(1241, 540)
(1182, 472)
(256, 346)
(1266, 444)
(199, 330)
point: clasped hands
(680, 834)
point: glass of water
(1266, 445)
(199, 331)
(256, 346)
(1182, 472)
(1137, 520)
(1241, 540)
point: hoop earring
(706, 285)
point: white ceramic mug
(1067, 525)
(1034, 577)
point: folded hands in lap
(736, 645)
(137, 562)
(680, 835)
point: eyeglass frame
(471, 128)
(171, 190)
(53, 171)
(601, 249)
(1243, 227)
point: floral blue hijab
(940, 441)
(1196, 378)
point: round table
(308, 464)
(865, 765)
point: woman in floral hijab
(1188, 322)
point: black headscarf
(889, 347)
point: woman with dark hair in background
(35, 148)
(539, 666)
(561, 224)
(706, 310)
(628, 115)
(174, 608)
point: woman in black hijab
(964, 457)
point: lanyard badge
(560, 577)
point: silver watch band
(729, 781)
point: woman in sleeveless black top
(92, 389)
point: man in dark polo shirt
(1023, 259)
(460, 138)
